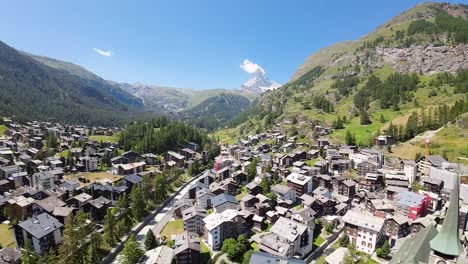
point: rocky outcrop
(418, 59)
(425, 59)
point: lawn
(319, 241)
(6, 236)
(3, 129)
(311, 162)
(174, 227)
(114, 138)
(450, 142)
(64, 153)
(101, 176)
(206, 253)
(297, 207)
(242, 194)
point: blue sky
(191, 44)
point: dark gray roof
(133, 178)
(223, 198)
(41, 225)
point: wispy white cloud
(251, 67)
(104, 53)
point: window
(369, 245)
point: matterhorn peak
(259, 81)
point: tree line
(455, 27)
(160, 135)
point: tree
(230, 248)
(265, 185)
(329, 227)
(29, 256)
(365, 119)
(132, 252)
(125, 221)
(243, 244)
(160, 188)
(150, 241)
(344, 240)
(383, 251)
(382, 118)
(137, 204)
(94, 251)
(74, 242)
(247, 256)
(252, 170)
(349, 138)
(110, 236)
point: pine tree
(160, 188)
(94, 251)
(74, 243)
(137, 204)
(29, 256)
(382, 118)
(124, 214)
(349, 138)
(110, 234)
(132, 252)
(150, 241)
(365, 120)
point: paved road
(160, 220)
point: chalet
(131, 156)
(220, 226)
(150, 158)
(228, 186)
(47, 205)
(396, 227)
(129, 168)
(223, 202)
(253, 188)
(240, 177)
(248, 201)
(109, 191)
(384, 140)
(175, 158)
(188, 153)
(19, 207)
(365, 231)
(204, 197)
(287, 238)
(193, 219)
(132, 180)
(367, 166)
(305, 216)
(97, 208)
(79, 201)
(223, 173)
(284, 193)
(299, 183)
(181, 205)
(44, 231)
(187, 248)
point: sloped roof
(416, 249)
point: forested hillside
(216, 111)
(32, 90)
(160, 135)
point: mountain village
(293, 202)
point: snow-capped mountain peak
(259, 83)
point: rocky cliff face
(419, 59)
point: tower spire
(447, 241)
